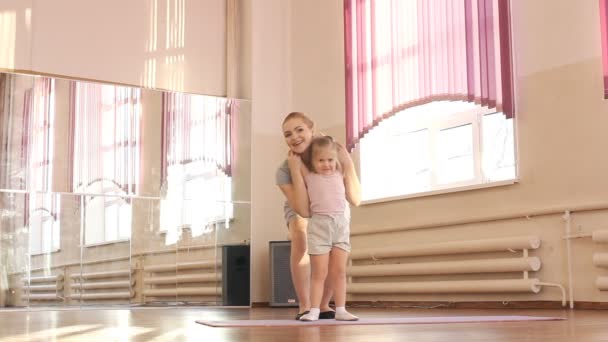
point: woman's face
(297, 135)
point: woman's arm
(298, 192)
(351, 180)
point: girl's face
(325, 160)
(297, 135)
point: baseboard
(466, 305)
(591, 305)
(260, 304)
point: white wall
(271, 97)
(15, 34)
(318, 63)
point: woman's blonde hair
(301, 116)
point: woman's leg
(337, 272)
(319, 274)
(328, 291)
(300, 261)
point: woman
(298, 131)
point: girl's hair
(301, 116)
(315, 144)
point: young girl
(321, 192)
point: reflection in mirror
(118, 195)
(105, 138)
(197, 170)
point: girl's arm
(299, 194)
(351, 180)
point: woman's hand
(294, 161)
(343, 156)
(351, 180)
(301, 202)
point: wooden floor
(178, 324)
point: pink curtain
(400, 54)
(106, 141)
(604, 28)
(197, 128)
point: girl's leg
(319, 273)
(337, 271)
(300, 261)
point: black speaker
(282, 290)
(235, 275)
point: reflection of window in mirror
(44, 224)
(197, 158)
(106, 156)
(27, 116)
(108, 216)
(105, 147)
(39, 116)
(106, 135)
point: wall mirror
(112, 194)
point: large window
(429, 102)
(434, 147)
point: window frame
(436, 123)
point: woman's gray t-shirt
(283, 176)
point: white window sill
(45, 253)
(189, 227)
(442, 191)
(113, 242)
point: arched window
(429, 95)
